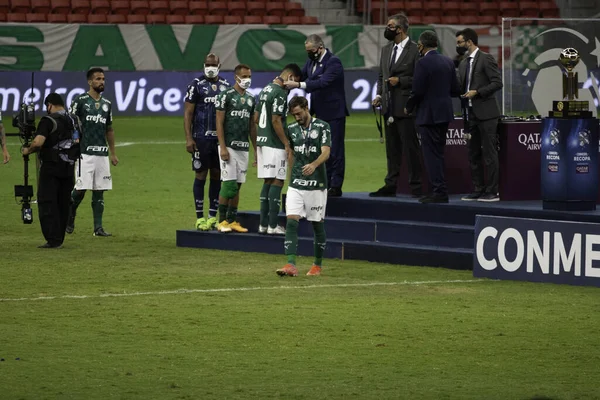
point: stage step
(370, 230)
(405, 208)
(394, 253)
(396, 230)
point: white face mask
(211, 72)
(245, 83)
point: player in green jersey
(92, 171)
(235, 109)
(5, 155)
(273, 148)
(310, 140)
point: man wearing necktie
(323, 78)
(396, 69)
(480, 79)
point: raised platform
(396, 230)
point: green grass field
(134, 317)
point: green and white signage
(61, 47)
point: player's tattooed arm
(253, 136)
(221, 135)
(308, 169)
(110, 138)
(188, 115)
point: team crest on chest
(222, 87)
(243, 100)
(97, 106)
(250, 102)
(314, 134)
(105, 107)
(214, 87)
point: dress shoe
(384, 191)
(334, 192)
(433, 199)
(472, 196)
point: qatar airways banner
(151, 93)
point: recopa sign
(537, 250)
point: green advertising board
(62, 47)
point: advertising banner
(74, 47)
(519, 158)
(569, 159)
(152, 93)
(537, 250)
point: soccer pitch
(134, 317)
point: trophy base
(570, 114)
(570, 109)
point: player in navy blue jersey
(201, 138)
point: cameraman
(57, 141)
(5, 155)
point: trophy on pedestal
(568, 107)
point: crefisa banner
(537, 250)
(152, 93)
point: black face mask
(390, 34)
(461, 50)
(313, 55)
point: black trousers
(401, 141)
(433, 142)
(54, 197)
(483, 154)
(336, 164)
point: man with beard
(92, 170)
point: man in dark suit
(434, 85)
(396, 69)
(480, 79)
(323, 78)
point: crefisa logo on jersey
(537, 250)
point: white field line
(246, 289)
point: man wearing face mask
(396, 69)
(199, 123)
(434, 85)
(57, 142)
(235, 125)
(480, 79)
(323, 78)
